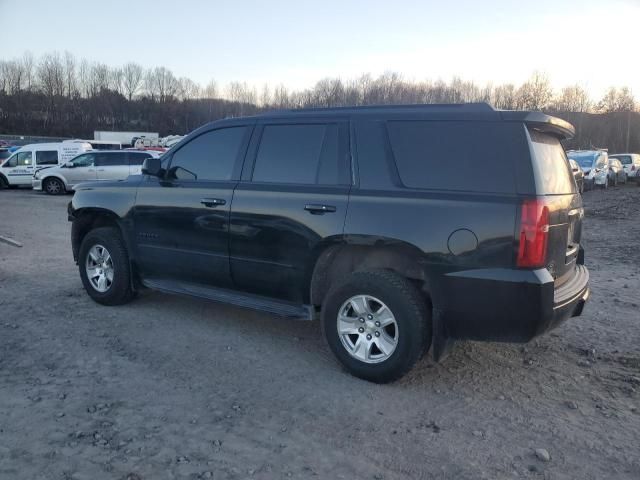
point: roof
(446, 111)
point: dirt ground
(171, 387)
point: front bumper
(36, 184)
(509, 304)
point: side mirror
(152, 166)
(69, 165)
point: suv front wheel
(377, 324)
(104, 267)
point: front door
(292, 199)
(181, 221)
(19, 168)
(80, 169)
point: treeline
(59, 95)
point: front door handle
(213, 202)
(315, 209)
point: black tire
(120, 291)
(3, 183)
(53, 186)
(409, 308)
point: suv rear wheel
(377, 324)
(104, 267)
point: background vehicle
(19, 168)
(4, 154)
(595, 165)
(100, 144)
(630, 163)
(253, 212)
(124, 138)
(97, 165)
(578, 174)
(617, 173)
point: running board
(240, 299)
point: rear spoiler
(541, 122)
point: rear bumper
(510, 305)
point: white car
(595, 165)
(19, 168)
(630, 163)
(97, 165)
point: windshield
(585, 160)
(624, 159)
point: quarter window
(47, 157)
(210, 156)
(302, 154)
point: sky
(296, 42)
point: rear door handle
(316, 209)
(213, 202)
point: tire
(53, 186)
(3, 183)
(412, 324)
(118, 290)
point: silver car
(97, 165)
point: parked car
(4, 154)
(617, 174)
(19, 168)
(595, 165)
(630, 163)
(351, 214)
(578, 174)
(100, 165)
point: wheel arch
(90, 218)
(362, 252)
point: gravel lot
(170, 387)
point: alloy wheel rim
(367, 329)
(53, 187)
(99, 268)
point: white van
(19, 168)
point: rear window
(455, 155)
(550, 165)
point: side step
(240, 299)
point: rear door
(112, 166)
(554, 181)
(292, 199)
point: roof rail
(479, 107)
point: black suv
(400, 227)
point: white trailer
(125, 138)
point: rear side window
(47, 157)
(550, 165)
(300, 154)
(110, 159)
(455, 155)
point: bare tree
(132, 76)
(535, 94)
(28, 66)
(188, 89)
(161, 84)
(70, 74)
(51, 75)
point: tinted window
(210, 156)
(47, 157)
(469, 156)
(137, 158)
(110, 159)
(552, 171)
(305, 154)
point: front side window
(300, 154)
(20, 159)
(210, 156)
(47, 157)
(86, 160)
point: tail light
(534, 234)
